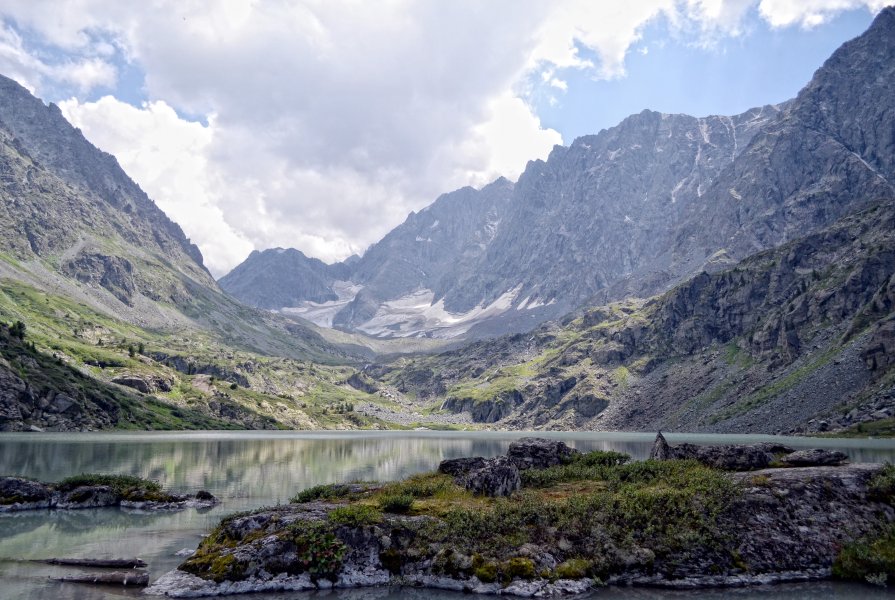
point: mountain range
(701, 274)
(630, 211)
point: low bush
(355, 515)
(870, 559)
(396, 503)
(327, 491)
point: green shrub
(396, 503)
(485, 570)
(327, 491)
(320, 552)
(518, 567)
(870, 559)
(602, 458)
(882, 486)
(355, 515)
(574, 568)
(425, 485)
(119, 483)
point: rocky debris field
(95, 491)
(548, 520)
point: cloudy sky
(320, 124)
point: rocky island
(95, 491)
(546, 519)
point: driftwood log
(135, 578)
(110, 563)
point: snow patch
(416, 312)
(323, 313)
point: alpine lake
(248, 470)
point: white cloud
(811, 13)
(168, 157)
(327, 122)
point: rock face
(708, 191)
(772, 345)
(65, 197)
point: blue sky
(320, 124)
(674, 75)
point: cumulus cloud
(320, 124)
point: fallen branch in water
(111, 563)
(137, 578)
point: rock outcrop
(539, 453)
(18, 494)
(749, 457)
(772, 525)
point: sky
(320, 124)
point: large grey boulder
(460, 467)
(539, 453)
(498, 477)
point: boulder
(141, 384)
(730, 458)
(498, 477)
(539, 453)
(147, 384)
(62, 403)
(89, 496)
(19, 489)
(460, 467)
(816, 457)
(660, 449)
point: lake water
(253, 469)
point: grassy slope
(282, 392)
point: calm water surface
(249, 470)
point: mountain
(417, 257)
(124, 327)
(798, 338)
(281, 277)
(638, 208)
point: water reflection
(249, 470)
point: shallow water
(252, 469)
